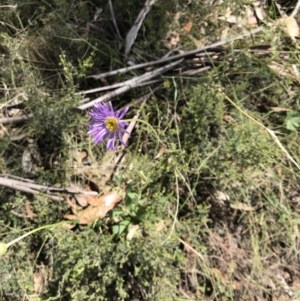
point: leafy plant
(292, 120)
(134, 211)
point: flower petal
(98, 130)
(111, 142)
(121, 113)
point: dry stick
(134, 83)
(296, 9)
(177, 56)
(44, 188)
(132, 124)
(114, 19)
(126, 82)
(118, 85)
(36, 188)
(15, 185)
(84, 100)
(16, 178)
(122, 90)
(144, 65)
(13, 120)
(118, 158)
(177, 209)
(132, 34)
(195, 71)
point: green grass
(212, 207)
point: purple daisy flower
(105, 122)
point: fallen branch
(145, 77)
(14, 120)
(177, 56)
(296, 9)
(132, 34)
(30, 187)
(148, 77)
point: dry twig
(145, 79)
(33, 188)
(132, 34)
(137, 80)
(296, 9)
(114, 19)
(177, 56)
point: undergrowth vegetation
(211, 206)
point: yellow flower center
(112, 124)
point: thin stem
(146, 123)
(33, 231)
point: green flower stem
(4, 246)
(146, 123)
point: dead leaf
(221, 196)
(132, 232)
(161, 152)
(286, 71)
(230, 19)
(290, 26)
(39, 279)
(98, 208)
(172, 40)
(260, 13)
(242, 207)
(187, 27)
(83, 199)
(160, 226)
(29, 213)
(229, 118)
(38, 282)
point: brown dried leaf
(230, 19)
(161, 151)
(160, 226)
(172, 40)
(228, 118)
(187, 27)
(286, 71)
(98, 208)
(290, 26)
(242, 207)
(29, 213)
(132, 232)
(38, 282)
(83, 199)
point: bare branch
(132, 34)
(122, 90)
(33, 188)
(144, 79)
(14, 120)
(114, 19)
(296, 9)
(177, 56)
